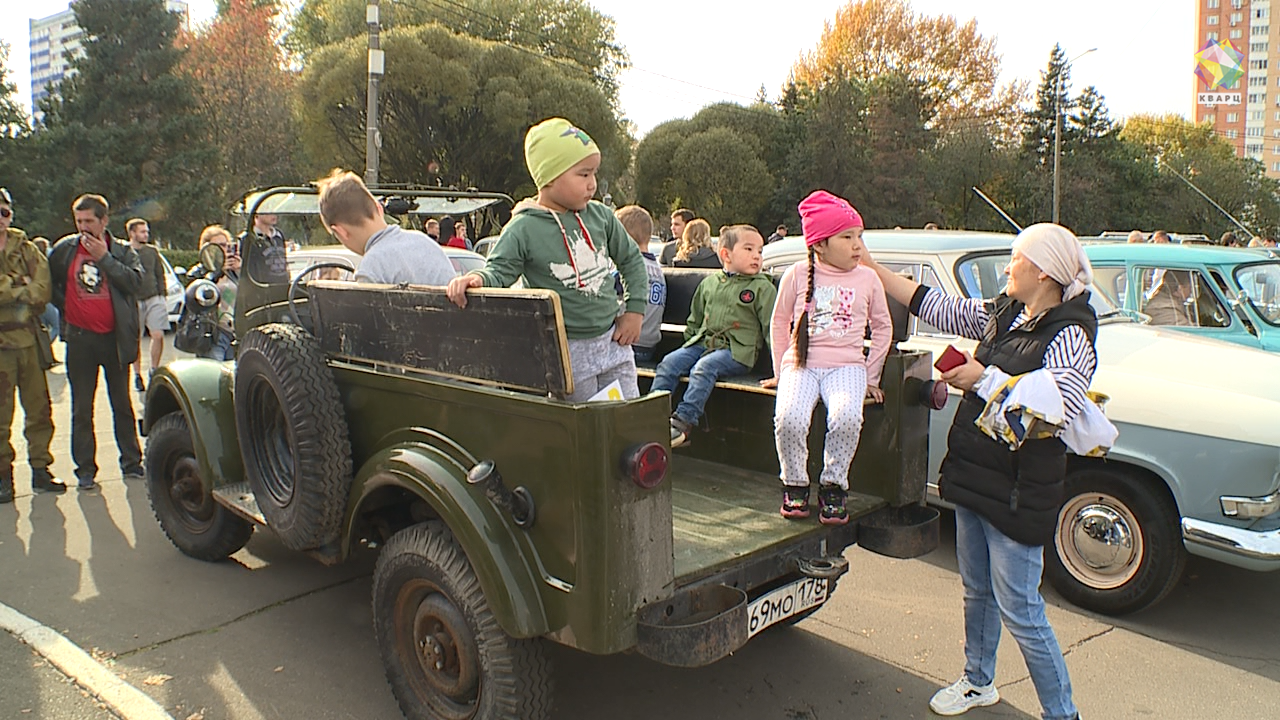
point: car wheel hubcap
(193, 507)
(439, 646)
(1099, 541)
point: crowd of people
(825, 327)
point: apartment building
(56, 38)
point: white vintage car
(1196, 467)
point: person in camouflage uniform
(24, 292)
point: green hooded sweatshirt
(533, 246)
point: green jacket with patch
(24, 290)
(732, 311)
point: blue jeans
(703, 368)
(1002, 582)
(221, 348)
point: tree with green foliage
(569, 31)
(1171, 144)
(717, 163)
(125, 125)
(454, 109)
(15, 137)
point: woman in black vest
(1007, 501)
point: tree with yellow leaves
(953, 64)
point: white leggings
(842, 391)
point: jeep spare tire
(293, 434)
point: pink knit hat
(823, 215)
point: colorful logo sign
(1219, 65)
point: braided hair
(800, 331)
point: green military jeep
(505, 515)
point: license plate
(784, 602)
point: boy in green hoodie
(729, 321)
(566, 242)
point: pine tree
(1052, 96)
(125, 125)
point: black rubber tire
(427, 606)
(1149, 512)
(189, 516)
(293, 434)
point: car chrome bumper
(1249, 508)
(1232, 540)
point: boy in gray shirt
(391, 254)
(639, 225)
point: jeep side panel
(201, 390)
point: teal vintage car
(1230, 294)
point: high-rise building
(56, 38)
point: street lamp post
(1057, 127)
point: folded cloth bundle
(1029, 407)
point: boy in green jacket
(728, 324)
(566, 242)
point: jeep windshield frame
(259, 302)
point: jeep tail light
(646, 465)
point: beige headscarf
(1056, 251)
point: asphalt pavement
(272, 634)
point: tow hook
(826, 566)
(518, 502)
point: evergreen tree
(15, 138)
(125, 124)
(1052, 97)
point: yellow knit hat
(553, 146)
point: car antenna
(997, 208)
(1161, 163)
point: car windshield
(1261, 282)
(982, 276)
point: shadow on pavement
(1194, 617)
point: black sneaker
(43, 481)
(679, 432)
(88, 486)
(135, 474)
(831, 509)
(795, 502)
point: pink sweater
(843, 303)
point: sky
(687, 54)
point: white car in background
(173, 290)
(1196, 468)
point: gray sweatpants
(598, 361)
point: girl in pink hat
(824, 309)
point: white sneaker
(962, 696)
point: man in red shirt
(95, 282)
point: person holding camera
(95, 282)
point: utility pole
(373, 138)
(1057, 127)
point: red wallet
(950, 359)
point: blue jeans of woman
(704, 368)
(1002, 582)
(221, 348)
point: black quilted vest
(1018, 492)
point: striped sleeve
(1071, 360)
(966, 317)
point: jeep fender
(201, 390)
(435, 470)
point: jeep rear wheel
(1117, 548)
(293, 434)
(194, 523)
(445, 655)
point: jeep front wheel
(445, 655)
(194, 523)
(1118, 547)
